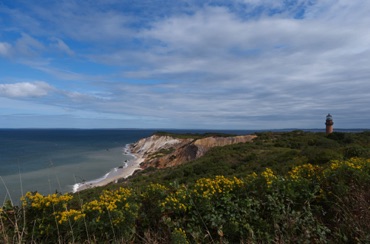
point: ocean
(54, 160)
(50, 160)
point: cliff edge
(162, 151)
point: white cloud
(5, 49)
(62, 46)
(86, 97)
(25, 89)
(28, 46)
(224, 67)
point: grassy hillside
(293, 187)
(279, 151)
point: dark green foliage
(347, 203)
(337, 136)
(356, 151)
(319, 155)
(350, 138)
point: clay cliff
(163, 151)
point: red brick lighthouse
(329, 124)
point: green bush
(355, 151)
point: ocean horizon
(54, 160)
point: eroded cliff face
(153, 144)
(166, 151)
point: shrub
(43, 215)
(355, 151)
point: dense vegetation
(294, 187)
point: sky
(186, 64)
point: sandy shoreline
(113, 175)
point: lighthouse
(329, 124)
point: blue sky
(243, 64)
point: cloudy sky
(243, 64)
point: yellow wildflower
(304, 171)
(269, 176)
(355, 163)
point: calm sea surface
(54, 160)
(50, 160)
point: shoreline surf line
(114, 174)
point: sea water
(49, 160)
(56, 160)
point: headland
(163, 150)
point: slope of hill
(279, 151)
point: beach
(112, 176)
